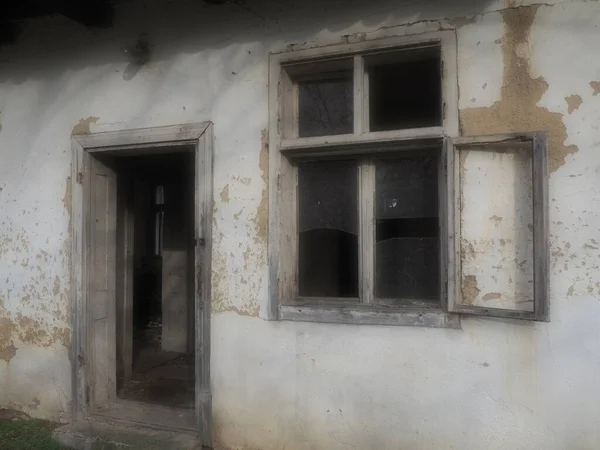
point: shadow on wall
(48, 47)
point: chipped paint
(262, 212)
(492, 296)
(573, 102)
(470, 290)
(225, 194)
(595, 85)
(83, 126)
(7, 347)
(518, 109)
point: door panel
(103, 230)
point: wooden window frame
(287, 149)
(539, 179)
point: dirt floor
(159, 377)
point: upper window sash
(288, 64)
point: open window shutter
(103, 229)
(497, 226)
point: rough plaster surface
(496, 384)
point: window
(380, 213)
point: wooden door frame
(138, 142)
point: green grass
(26, 434)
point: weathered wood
(358, 96)
(287, 149)
(110, 141)
(144, 141)
(103, 251)
(366, 265)
(203, 271)
(79, 235)
(370, 316)
(536, 142)
(320, 144)
(408, 42)
(541, 301)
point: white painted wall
(496, 384)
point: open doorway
(154, 284)
(141, 270)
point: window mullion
(359, 72)
(367, 231)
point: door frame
(142, 141)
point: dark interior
(405, 91)
(159, 190)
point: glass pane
(326, 107)
(407, 232)
(496, 222)
(328, 229)
(405, 89)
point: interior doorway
(142, 216)
(155, 241)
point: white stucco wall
(495, 384)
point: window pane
(325, 107)
(407, 233)
(328, 229)
(405, 89)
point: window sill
(370, 316)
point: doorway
(155, 254)
(141, 272)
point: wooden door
(102, 279)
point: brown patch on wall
(491, 296)
(517, 110)
(469, 289)
(573, 102)
(67, 200)
(56, 287)
(7, 348)
(28, 330)
(262, 212)
(83, 127)
(595, 85)
(225, 194)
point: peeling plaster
(83, 127)
(573, 102)
(225, 194)
(470, 290)
(518, 109)
(595, 85)
(262, 212)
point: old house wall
(493, 384)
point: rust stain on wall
(573, 102)
(469, 289)
(83, 127)
(517, 110)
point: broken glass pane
(407, 233)
(328, 229)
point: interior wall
(493, 384)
